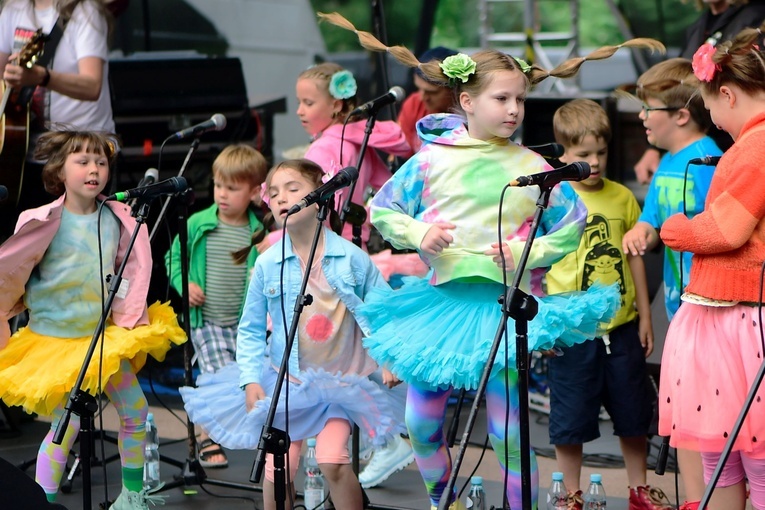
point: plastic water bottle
(595, 498)
(313, 486)
(556, 496)
(476, 499)
(151, 455)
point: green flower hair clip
(523, 65)
(342, 85)
(458, 67)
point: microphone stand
(356, 215)
(192, 149)
(347, 205)
(192, 470)
(522, 308)
(82, 403)
(273, 440)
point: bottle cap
(311, 442)
(557, 476)
(150, 417)
(596, 478)
(476, 480)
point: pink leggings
(331, 448)
(738, 466)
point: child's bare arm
(645, 327)
(639, 239)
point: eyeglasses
(648, 109)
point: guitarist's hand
(18, 76)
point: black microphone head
(582, 168)
(220, 121)
(548, 150)
(180, 184)
(349, 173)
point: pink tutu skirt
(710, 361)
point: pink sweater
(728, 238)
(325, 151)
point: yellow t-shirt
(611, 211)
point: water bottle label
(313, 499)
(152, 470)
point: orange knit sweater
(728, 238)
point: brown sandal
(204, 456)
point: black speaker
(20, 492)
(538, 126)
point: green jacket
(199, 225)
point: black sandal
(204, 456)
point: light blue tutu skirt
(441, 335)
(218, 405)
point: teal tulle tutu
(441, 335)
(218, 405)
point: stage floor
(403, 490)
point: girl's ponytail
(240, 256)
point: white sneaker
(129, 500)
(386, 461)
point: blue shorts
(586, 377)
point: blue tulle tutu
(441, 335)
(218, 405)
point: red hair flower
(703, 67)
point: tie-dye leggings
(425, 417)
(128, 399)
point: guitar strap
(54, 37)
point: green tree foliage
(457, 21)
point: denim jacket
(347, 269)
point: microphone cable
(286, 381)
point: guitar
(14, 124)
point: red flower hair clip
(703, 67)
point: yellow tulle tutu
(37, 371)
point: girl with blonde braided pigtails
(535, 73)
(443, 202)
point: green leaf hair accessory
(523, 65)
(458, 67)
(342, 85)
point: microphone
(706, 160)
(394, 95)
(150, 177)
(215, 123)
(576, 171)
(166, 187)
(342, 179)
(3, 193)
(548, 150)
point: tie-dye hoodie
(458, 179)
